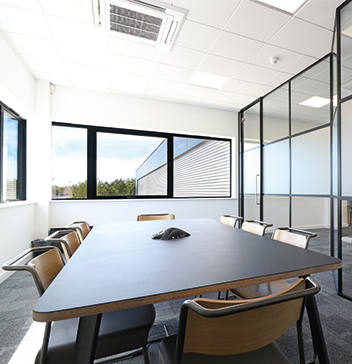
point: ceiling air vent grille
(134, 23)
(154, 23)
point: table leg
(316, 330)
(87, 336)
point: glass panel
(276, 168)
(201, 167)
(346, 246)
(313, 214)
(346, 147)
(130, 165)
(276, 115)
(311, 163)
(346, 51)
(315, 82)
(251, 163)
(10, 158)
(69, 162)
(276, 210)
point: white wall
(106, 109)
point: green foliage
(119, 187)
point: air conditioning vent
(154, 23)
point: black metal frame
(92, 160)
(21, 192)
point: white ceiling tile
(285, 57)
(299, 65)
(126, 79)
(130, 64)
(128, 90)
(54, 79)
(320, 12)
(197, 36)
(255, 74)
(25, 22)
(211, 12)
(261, 90)
(181, 57)
(78, 42)
(235, 47)
(278, 79)
(32, 5)
(196, 91)
(171, 73)
(76, 70)
(220, 66)
(240, 87)
(45, 65)
(167, 86)
(321, 49)
(91, 84)
(256, 21)
(77, 10)
(158, 95)
(299, 36)
(34, 46)
(132, 49)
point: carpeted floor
(18, 294)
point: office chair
(146, 217)
(255, 226)
(68, 239)
(120, 331)
(241, 332)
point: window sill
(5, 205)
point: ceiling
(58, 42)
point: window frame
(92, 160)
(21, 191)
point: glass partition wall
(286, 155)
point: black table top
(119, 266)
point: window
(13, 149)
(95, 162)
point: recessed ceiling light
(207, 80)
(290, 6)
(315, 102)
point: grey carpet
(18, 295)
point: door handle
(256, 190)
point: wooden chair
(146, 217)
(82, 228)
(255, 226)
(291, 236)
(120, 331)
(241, 332)
(230, 220)
(68, 239)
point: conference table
(120, 266)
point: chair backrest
(217, 327)
(82, 228)
(255, 226)
(292, 236)
(230, 220)
(146, 217)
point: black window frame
(21, 191)
(92, 160)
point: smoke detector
(150, 22)
(274, 60)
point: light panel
(316, 102)
(207, 80)
(290, 6)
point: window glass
(10, 158)
(130, 165)
(69, 162)
(201, 167)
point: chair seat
(119, 331)
(260, 290)
(269, 354)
